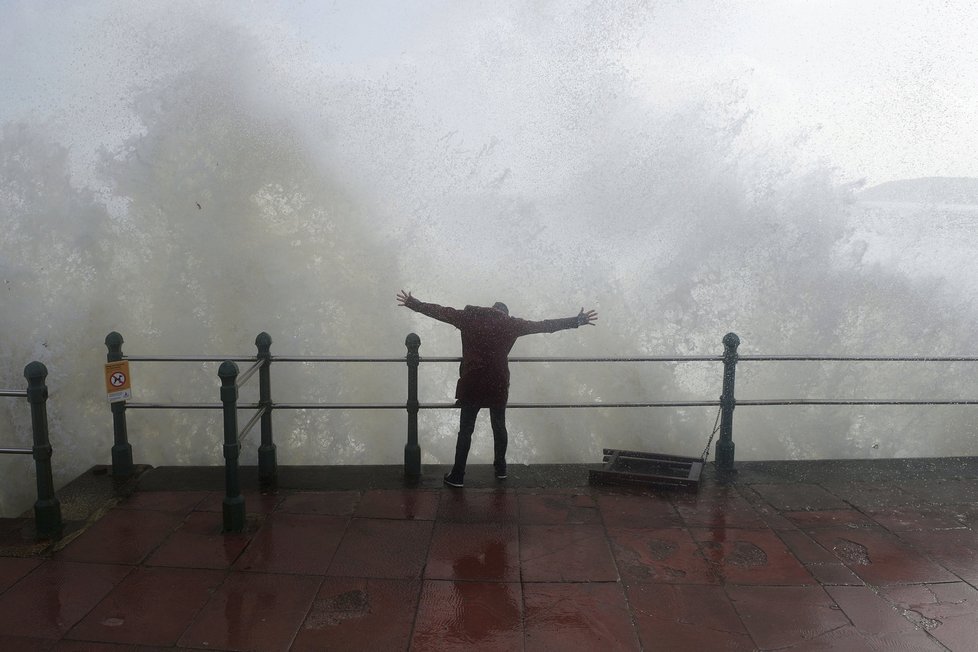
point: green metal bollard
(121, 448)
(234, 504)
(47, 508)
(725, 445)
(412, 451)
(267, 461)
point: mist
(192, 174)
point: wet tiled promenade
(792, 556)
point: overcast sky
(885, 89)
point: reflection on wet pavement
(766, 565)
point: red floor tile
(12, 569)
(294, 543)
(330, 503)
(164, 501)
(805, 549)
(24, 644)
(723, 510)
(837, 574)
(123, 536)
(467, 616)
(151, 606)
(773, 519)
(665, 555)
(871, 495)
(368, 615)
(628, 510)
(900, 519)
(955, 550)
(88, 646)
(799, 497)
(751, 557)
(255, 502)
(687, 617)
(948, 612)
(253, 612)
(556, 508)
(474, 551)
(829, 518)
(382, 548)
(877, 625)
(879, 557)
(55, 596)
(199, 543)
(497, 506)
(783, 616)
(410, 504)
(565, 553)
(581, 616)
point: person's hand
(403, 298)
(587, 318)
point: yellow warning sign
(117, 384)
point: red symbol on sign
(118, 379)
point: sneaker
(452, 482)
(501, 472)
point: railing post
(121, 448)
(267, 464)
(725, 445)
(47, 508)
(234, 505)
(412, 451)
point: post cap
(113, 340)
(412, 341)
(35, 371)
(263, 341)
(228, 370)
(731, 340)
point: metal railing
(47, 507)
(231, 381)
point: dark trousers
(500, 438)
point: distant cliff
(928, 190)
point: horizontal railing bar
(251, 422)
(16, 451)
(435, 406)
(692, 358)
(299, 358)
(338, 406)
(15, 393)
(654, 358)
(818, 401)
(677, 404)
(186, 406)
(831, 358)
(187, 358)
(243, 378)
(319, 358)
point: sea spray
(229, 179)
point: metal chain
(716, 427)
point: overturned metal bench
(648, 469)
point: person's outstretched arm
(433, 310)
(583, 318)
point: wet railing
(47, 507)
(232, 380)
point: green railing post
(121, 448)
(412, 451)
(725, 445)
(267, 461)
(47, 508)
(234, 505)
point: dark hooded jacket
(488, 335)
